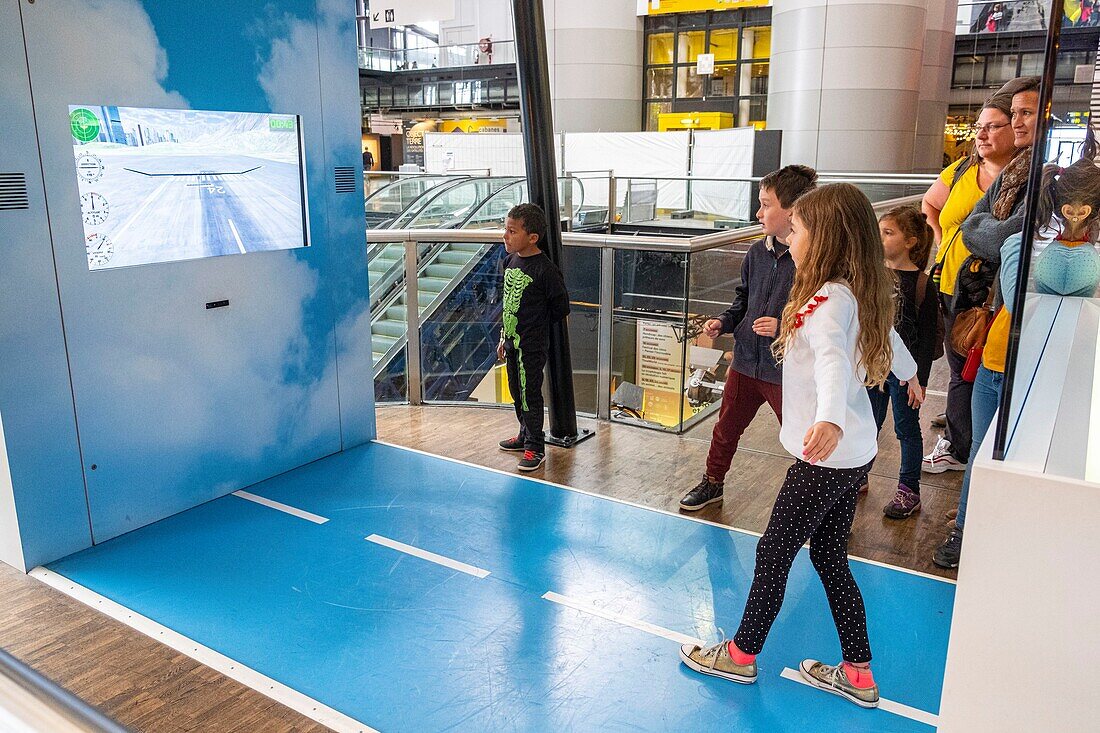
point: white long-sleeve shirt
(823, 382)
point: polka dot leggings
(815, 504)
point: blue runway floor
(404, 644)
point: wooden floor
(655, 469)
(150, 687)
(133, 679)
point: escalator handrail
(409, 206)
(509, 181)
(423, 200)
(489, 199)
(520, 182)
(401, 181)
(413, 210)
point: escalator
(458, 291)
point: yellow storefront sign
(664, 7)
(481, 124)
(667, 121)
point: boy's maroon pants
(741, 400)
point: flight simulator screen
(162, 185)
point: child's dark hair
(533, 219)
(912, 222)
(1079, 183)
(790, 182)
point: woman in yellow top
(994, 231)
(948, 202)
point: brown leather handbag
(971, 327)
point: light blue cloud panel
(177, 403)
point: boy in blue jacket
(754, 377)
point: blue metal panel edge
(35, 390)
(346, 276)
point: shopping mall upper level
(714, 64)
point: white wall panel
(11, 546)
(595, 113)
(809, 64)
(724, 154)
(502, 153)
(633, 154)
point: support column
(845, 82)
(935, 85)
(594, 50)
(362, 30)
(542, 188)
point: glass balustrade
(638, 303)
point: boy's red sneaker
(511, 444)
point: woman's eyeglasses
(989, 129)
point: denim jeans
(906, 427)
(983, 406)
(959, 393)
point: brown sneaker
(832, 679)
(715, 660)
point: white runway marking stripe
(229, 667)
(117, 235)
(888, 705)
(237, 236)
(429, 556)
(300, 513)
(621, 619)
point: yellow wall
(694, 121)
(695, 6)
(762, 43)
(371, 143)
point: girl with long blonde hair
(836, 338)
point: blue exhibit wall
(36, 404)
(123, 399)
(347, 276)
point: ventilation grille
(345, 179)
(13, 192)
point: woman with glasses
(992, 232)
(946, 204)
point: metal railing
(607, 244)
(687, 202)
(437, 57)
(44, 704)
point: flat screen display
(162, 185)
